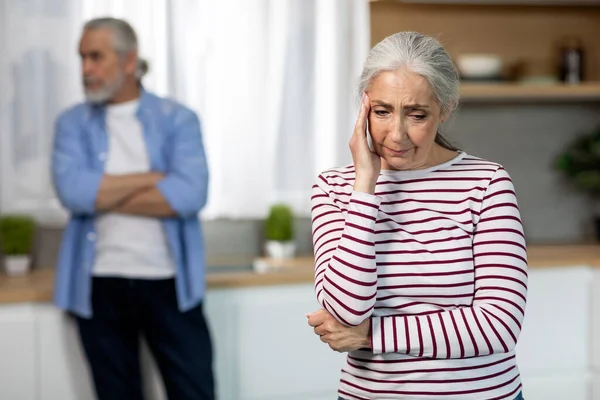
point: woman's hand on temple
(340, 337)
(367, 164)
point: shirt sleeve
(493, 322)
(344, 247)
(76, 185)
(185, 186)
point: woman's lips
(397, 152)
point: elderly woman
(420, 258)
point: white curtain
(272, 81)
(38, 78)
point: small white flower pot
(17, 265)
(280, 250)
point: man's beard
(106, 92)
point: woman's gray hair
(124, 36)
(416, 53)
(422, 55)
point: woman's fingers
(320, 330)
(317, 318)
(360, 128)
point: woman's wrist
(365, 185)
(366, 342)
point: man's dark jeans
(124, 309)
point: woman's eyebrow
(414, 106)
(383, 104)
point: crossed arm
(135, 194)
(182, 191)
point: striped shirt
(437, 260)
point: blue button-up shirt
(174, 143)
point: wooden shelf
(484, 92)
(507, 2)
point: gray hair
(124, 36)
(124, 39)
(142, 68)
(420, 54)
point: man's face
(102, 67)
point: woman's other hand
(339, 337)
(367, 164)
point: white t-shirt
(129, 246)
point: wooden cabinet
(493, 93)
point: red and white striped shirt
(437, 260)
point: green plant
(580, 161)
(279, 225)
(16, 234)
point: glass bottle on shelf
(571, 61)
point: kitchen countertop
(37, 286)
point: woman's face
(404, 120)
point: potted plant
(580, 162)
(279, 231)
(16, 240)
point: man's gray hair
(416, 53)
(124, 36)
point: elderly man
(130, 167)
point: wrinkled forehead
(400, 87)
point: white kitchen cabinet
(553, 351)
(152, 380)
(595, 335)
(18, 352)
(221, 309)
(557, 327)
(280, 357)
(263, 346)
(264, 349)
(63, 372)
(556, 386)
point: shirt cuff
(171, 190)
(365, 203)
(91, 181)
(388, 335)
